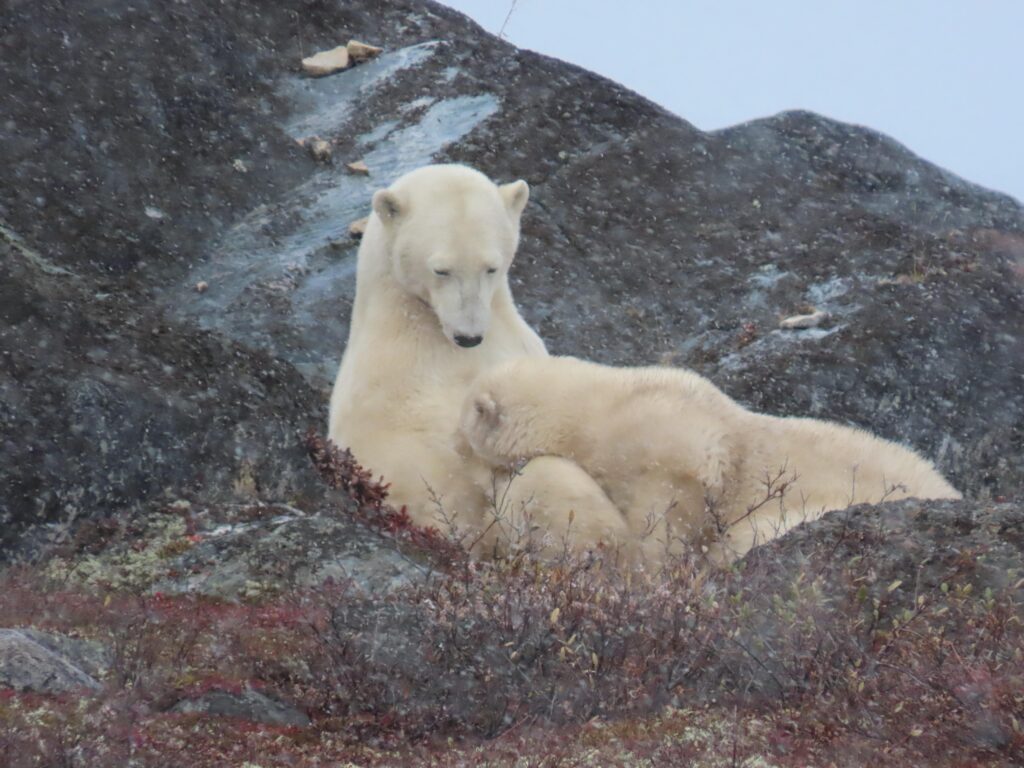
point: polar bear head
(449, 236)
(508, 414)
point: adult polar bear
(433, 309)
(678, 455)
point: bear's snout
(468, 341)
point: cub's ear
(515, 196)
(386, 205)
(487, 409)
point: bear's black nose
(468, 341)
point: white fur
(403, 377)
(680, 457)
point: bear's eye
(442, 272)
(491, 270)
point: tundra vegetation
(522, 660)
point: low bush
(522, 661)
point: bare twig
(511, 10)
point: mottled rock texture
(647, 240)
(232, 552)
(891, 559)
(28, 665)
(91, 657)
(247, 705)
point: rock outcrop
(30, 661)
(176, 274)
(123, 383)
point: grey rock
(288, 550)
(145, 409)
(247, 705)
(922, 544)
(26, 664)
(233, 552)
(91, 657)
(647, 240)
(886, 557)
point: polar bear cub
(685, 463)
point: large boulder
(888, 561)
(177, 271)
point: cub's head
(502, 418)
(450, 234)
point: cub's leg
(551, 504)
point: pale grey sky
(945, 77)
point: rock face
(104, 406)
(908, 541)
(646, 240)
(26, 664)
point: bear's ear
(487, 409)
(386, 205)
(515, 196)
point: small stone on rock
(240, 166)
(358, 227)
(326, 62)
(201, 286)
(361, 51)
(358, 167)
(800, 322)
(319, 149)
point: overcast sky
(945, 77)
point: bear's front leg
(437, 486)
